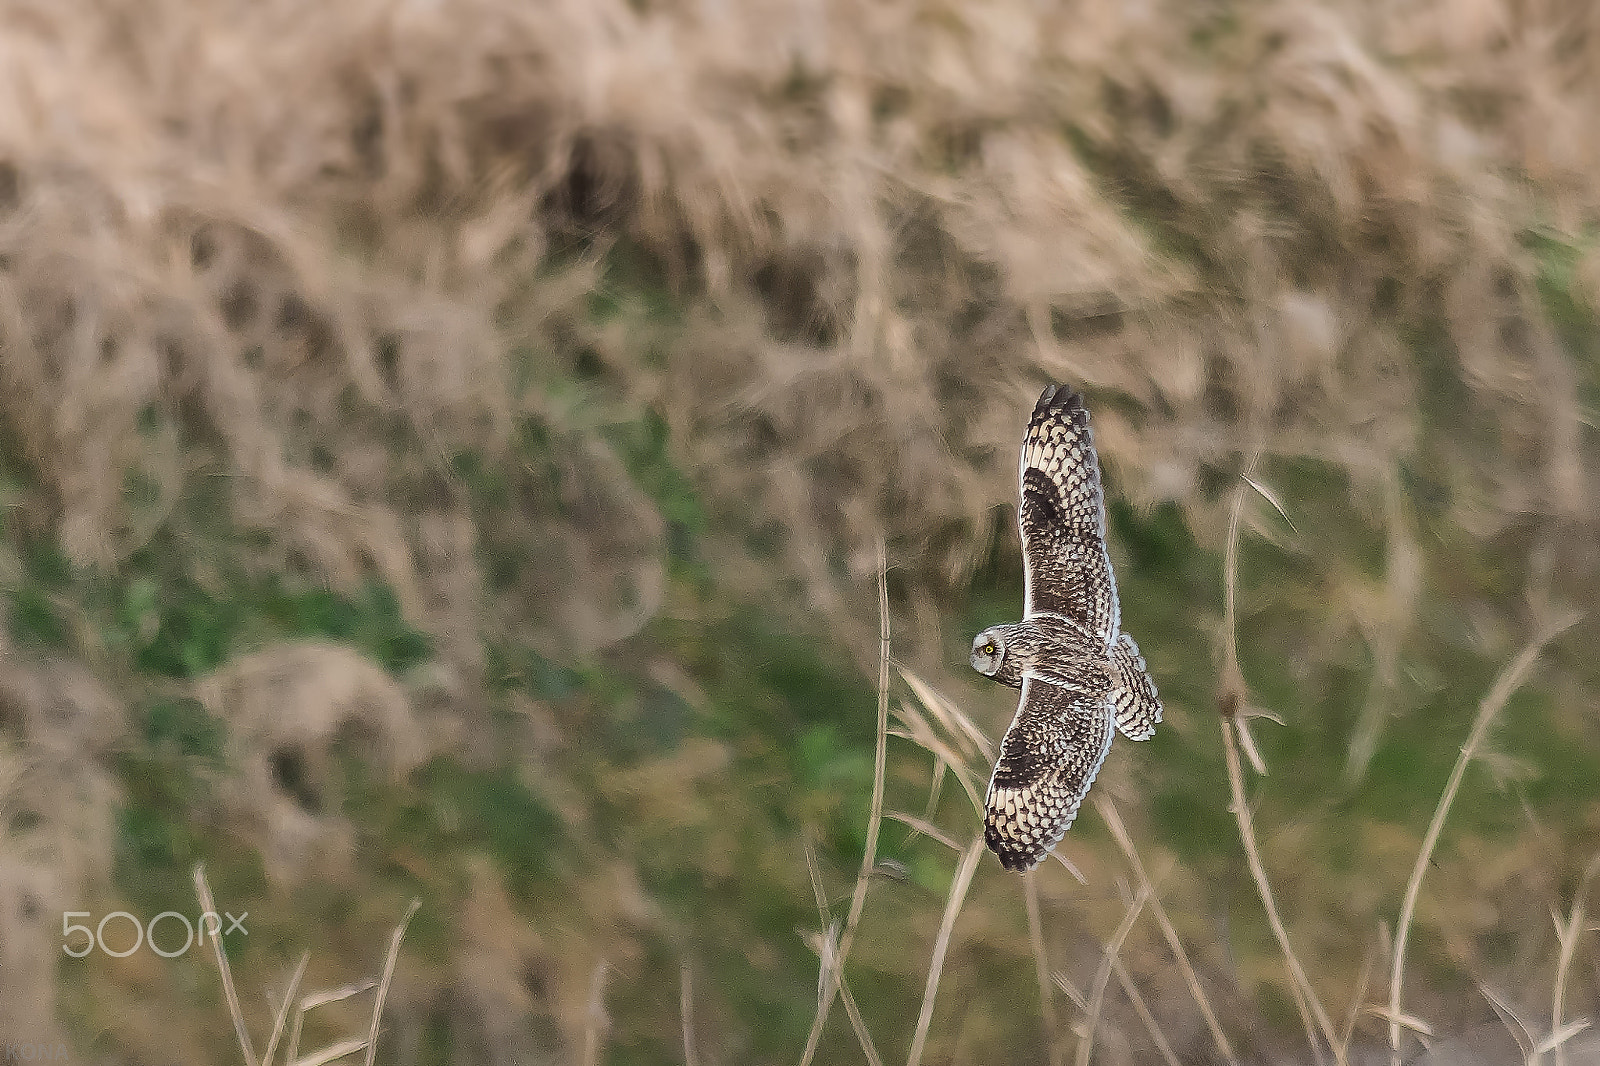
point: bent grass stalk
(208, 905)
(283, 1011)
(1131, 990)
(686, 1015)
(1041, 965)
(952, 908)
(1108, 812)
(1102, 976)
(1505, 685)
(869, 854)
(388, 975)
(1241, 813)
(1231, 695)
(1568, 936)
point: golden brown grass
(879, 257)
(368, 1044)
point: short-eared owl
(1079, 674)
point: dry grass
(301, 1004)
(58, 798)
(1505, 686)
(299, 703)
(1232, 695)
(833, 968)
(880, 257)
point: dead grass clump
(292, 711)
(57, 809)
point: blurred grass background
(443, 445)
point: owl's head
(989, 651)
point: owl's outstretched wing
(1062, 518)
(1048, 760)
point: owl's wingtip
(1014, 855)
(1057, 396)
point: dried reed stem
(1508, 682)
(388, 975)
(1232, 694)
(291, 1055)
(1108, 812)
(332, 1053)
(283, 1011)
(1131, 990)
(1355, 1003)
(1568, 937)
(1508, 1018)
(858, 1024)
(1041, 965)
(1102, 975)
(827, 948)
(952, 907)
(312, 1001)
(1247, 833)
(686, 1013)
(208, 905)
(869, 854)
(594, 1019)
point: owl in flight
(1079, 674)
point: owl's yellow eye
(988, 649)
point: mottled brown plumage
(1079, 674)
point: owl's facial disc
(988, 649)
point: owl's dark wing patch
(1062, 518)
(1048, 760)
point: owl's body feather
(1080, 675)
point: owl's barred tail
(1133, 694)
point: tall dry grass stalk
(1306, 996)
(208, 905)
(1119, 832)
(290, 996)
(1041, 966)
(691, 1056)
(869, 854)
(1102, 976)
(1567, 936)
(959, 884)
(1505, 685)
(595, 1023)
(1232, 696)
(1157, 1036)
(826, 945)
